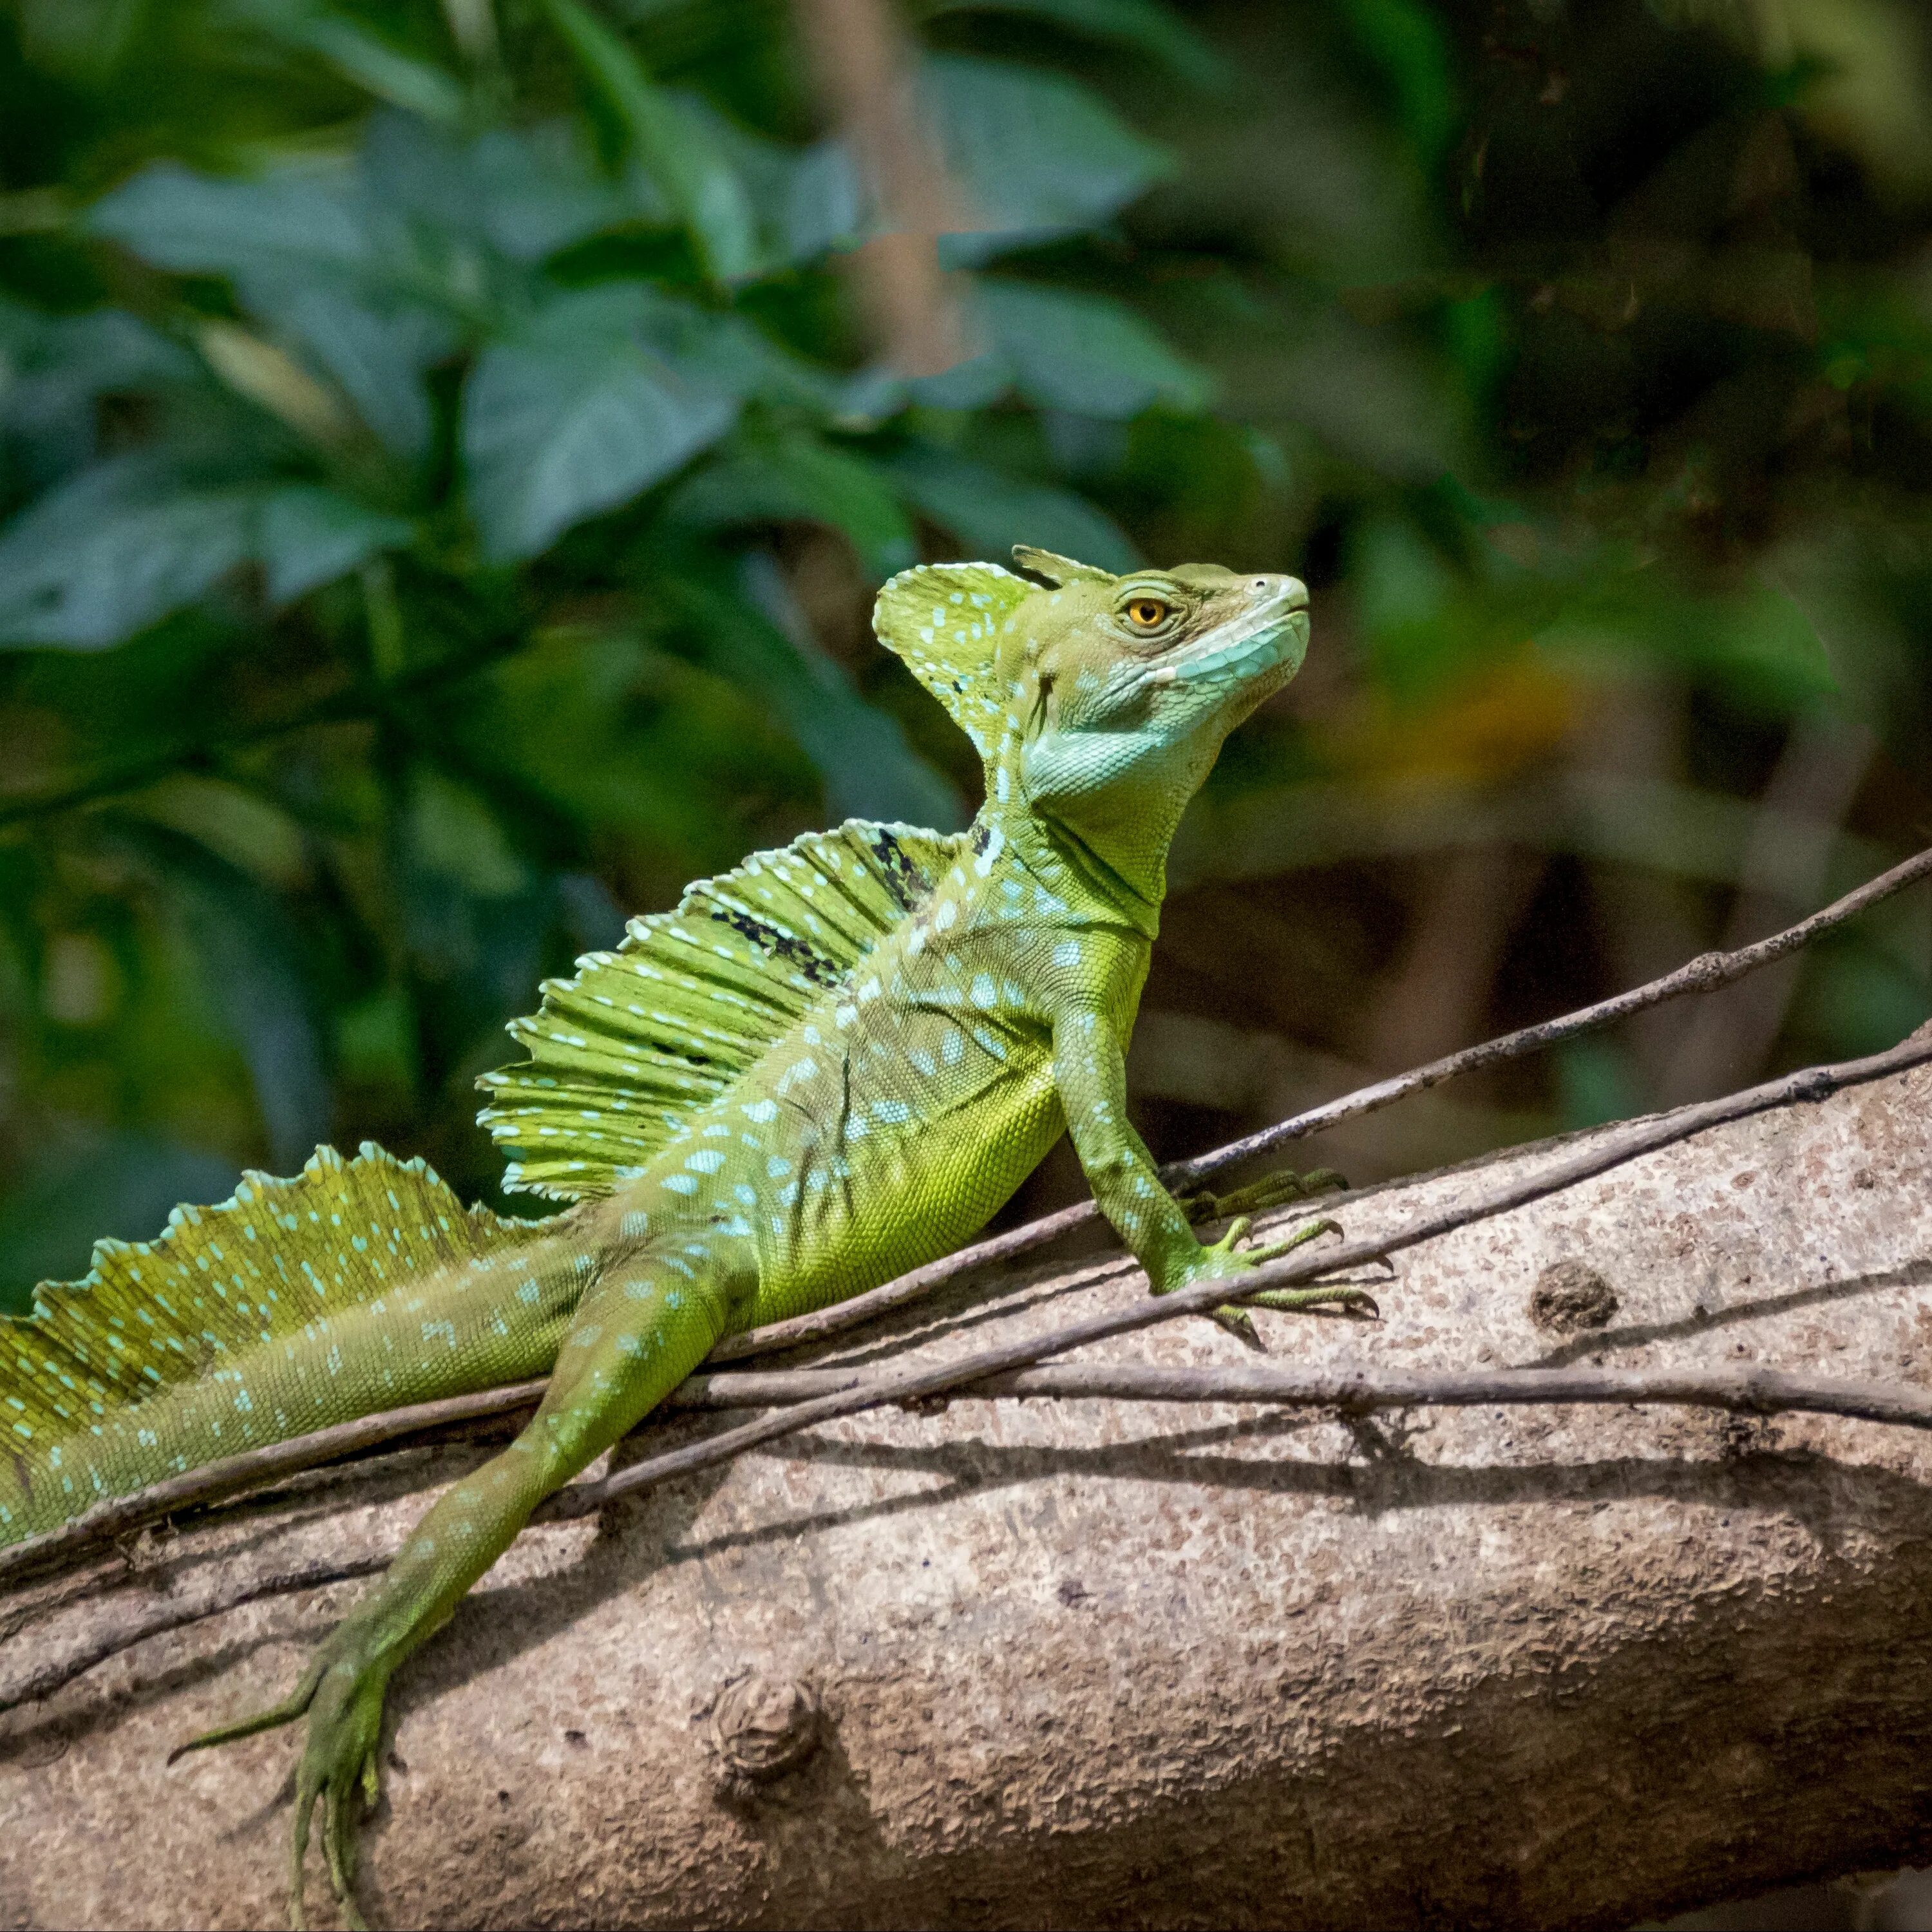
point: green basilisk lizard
(821, 1069)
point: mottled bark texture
(1097, 1663)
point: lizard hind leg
(638, 1332)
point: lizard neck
(1091, 883)
(1113, 841)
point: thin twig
(1751, 1391)
(1597, 1155)
(154, 1617)
(1703, 974)
(1348, 1392)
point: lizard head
(1098, 701)
(1136, 680)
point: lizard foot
(1235, 1318)
(1271, 1190)
(341, 1695)
(1227, 1259)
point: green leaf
(287, 223)
(1409, 44)
(59, 367)
(318, 255)
(308, 535)
(417, 86)
(775, 479)
(378, 357)
(803, 202)
(79, 1182)
(1146, 26)
(107, 554)
(1037, 156)
(578, 414)
(254, 954)
(990, 510)
(760, 640)
(673, 143)
(129, 541)
(1086, 353)
(538, 190)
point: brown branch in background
(1785, 862)
(1466, 910)
(274, 1461)
(867, 74)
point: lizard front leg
(637, 1334)
(1090, 1071)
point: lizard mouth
(1247, 644)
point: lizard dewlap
(821, 1069)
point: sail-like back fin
(948, 621)
(636, 1041)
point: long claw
(1272, 1251)
(1239, 1324)
(1271, 1190)
(338, 1838)
(306, 1794)
(291, 1708)
(1290, 1300)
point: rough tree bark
(1102, 1664)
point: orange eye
(1148, 613)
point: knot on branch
(1570, 1296)
(761, 1728)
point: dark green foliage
(442, 476)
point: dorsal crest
(636, 1041)
(948, 621)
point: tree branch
(1053, 1646)
(1349, 1392)
(1747, 1391)
(1599, 1153)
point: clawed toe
(1271, 1190)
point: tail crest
(267, 1264)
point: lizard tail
(358, 1286)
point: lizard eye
(1149, 613)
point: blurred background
(447, 449)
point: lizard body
(823, 1069)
